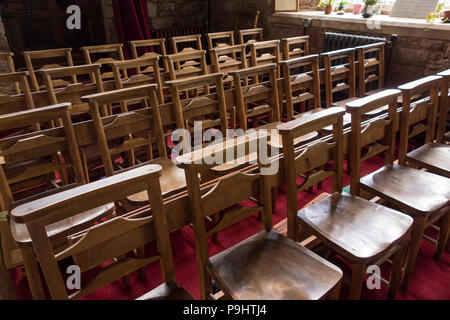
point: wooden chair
(412, 191)
(432, 156)
(301, 84)
(27, 173)
(146, 71)
(134, 130)
(227, 59)
(361, 231)
(255, 35)
(444, 108)
(20, 79)
(8, 58)
(339, 75)
(220, 39)
(46, 55)
(112, 238)
(159, 44)
(73, 92)
(210, 110)
(265, 52)
(257, 99)
(371, 65)
(246, 270)
(191, 43)
(295, 47)
(91, 51)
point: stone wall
(4, 47)
(163, 14)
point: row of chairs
(63, 143)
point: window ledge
(376, 24)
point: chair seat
(268, 266)
(167, 291)
(416, 191)
(172, 180)
(64, 227)
(434, 157)
(357, 229)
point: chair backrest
(213, 106)
(91, 51)
(371, 65)
(152, 44)
(301, 83)
(194, 43)
(20, 79)
(8, 58)
(146, 70)
(295, 47)
(377, 134)
(419, 116)
(106, 241)
(265, 92)
(231, 58)
(46, 55)
(225, 195)
(26, 157)
(126, 125)
(339, 77)
(312, 157)
(190, 65)
(265, 52)
(444, 106)
(255, 35)
(220, 39)
(73, 92)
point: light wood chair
(360, 231)
(32, 160)
(146, 71)
(295, 47)
(210, 110)
(265, 52)
(137, 130)
(8, 58)
(255, 35)
(19, 79)
(220, 39)
(158, 44)
(410, 190)
(444, 108)
(432, 156)
(246, 270)
(91, 52)
(73, 92)
(301, 84)
(227, 59)
(186, 44)
(258, 98)
(112, 238)
(371, 65)
(46, 56)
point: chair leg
(358, 275)
(396, 270)
(335, 293)
(33, 274)
(274, 199)
(443, 236)
(414, 246)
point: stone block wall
(4, 47)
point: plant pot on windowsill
(328, 10)
(369, 11)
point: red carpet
(431, 278)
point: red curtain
(132, 23)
